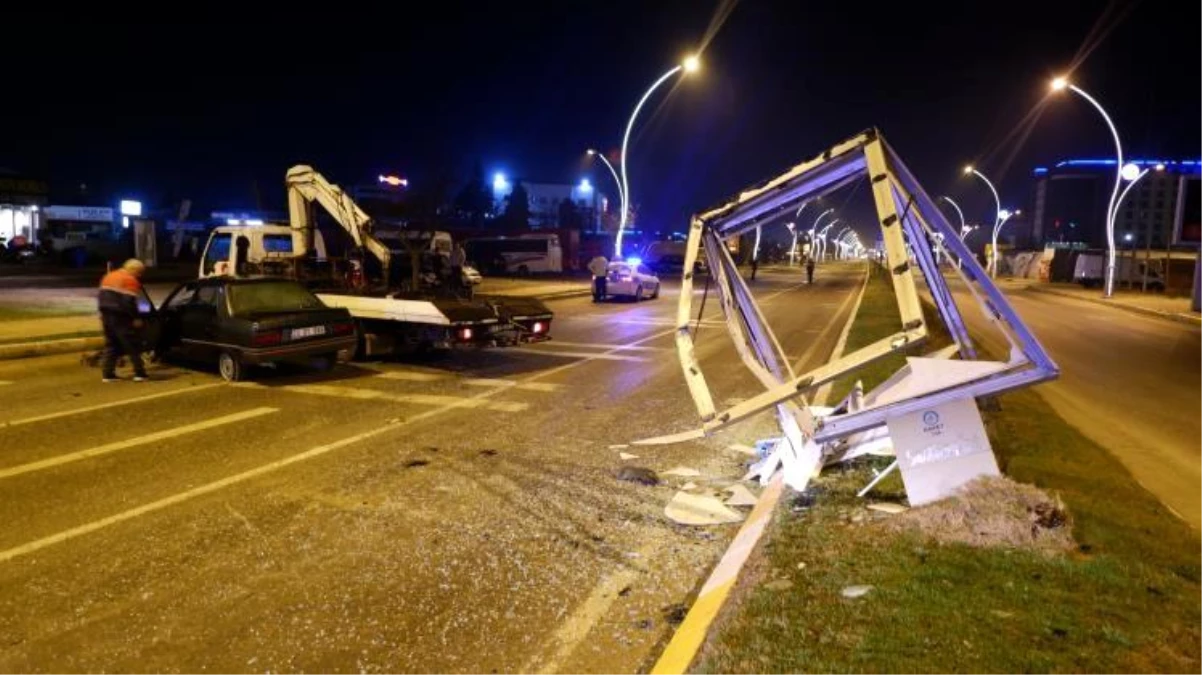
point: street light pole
(1060, 84)
(1003, 216)
(997, 218)
(815, 227)
(612, 172)
(689, 65)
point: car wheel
(656, 293)
(230, 367)
(523, 271)
(638, 294)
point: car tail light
(267, 338)
(343, 328)
(538, 327)
(465, 334)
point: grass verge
(1125, 600)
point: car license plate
(298, 333)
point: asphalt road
(1129, 382)
(452, 515)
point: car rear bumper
(259, 355)
(620, 287)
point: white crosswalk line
(577, 355)
(409, 376)
(527, 386)
(132, 442)
(104, 406)
(598, 345)
(361, 394)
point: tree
(474, 201)
(517, 207)
(570, 217)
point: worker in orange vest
(118, 304)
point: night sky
(207, 108)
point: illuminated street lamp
(617, 181)
(689, 65)
(1003, 216)
(1060, 84)
(815, 226)
(1132, 173)
(970, 170)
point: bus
(522, 254)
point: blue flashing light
(634, 261)
(585, 185)
(499, 182)
(1041, 170)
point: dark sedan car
(243, 322)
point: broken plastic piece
(690, 509)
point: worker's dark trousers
(599, 288)
(120, 337)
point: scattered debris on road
(706, 509)
(740, 496)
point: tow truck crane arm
(306, 185)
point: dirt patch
(994, 512)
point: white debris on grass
(684, 471)
(856, 591)
(891, 508)
(689, 486)
(619, 446)
(626, 455)
(691, 509)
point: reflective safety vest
(119, 292)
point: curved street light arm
(626, 142)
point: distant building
(1072, 196)
(546, 200)
(21, 201)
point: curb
(1178, 317)
(25, 350)
(563, 295)
(686, 642)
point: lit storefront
(21, 202)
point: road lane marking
(113, 404)
(377, 395)
(664, 322)
(576, 626)
(599, 345)
(409, 376)
(528, 386)
(605, 356)
(133, 442)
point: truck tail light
(538, 327)
(465, 334)
(267, 338)
(343, 328)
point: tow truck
(386, 280)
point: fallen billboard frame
(909, 222)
